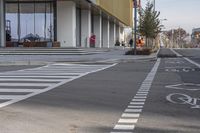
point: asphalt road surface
(145, 96)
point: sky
(179, 13)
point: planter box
(56, 44)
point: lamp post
(161, 34)
(135, 26)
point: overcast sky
(179, 13)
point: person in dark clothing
(131, 42)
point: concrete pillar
(112, 34)
(122, 35)
(85, 27)
(66, 23)
(106, 33)
(117, 32)
(98, 30)
(2, 24)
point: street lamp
(135, 26)
(161, 34)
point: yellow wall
(121, 9)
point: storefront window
(29, 21)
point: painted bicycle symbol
(185, 86)
(179, 98)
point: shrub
(142, 51)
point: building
(70, 22)
(196, 37)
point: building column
(112, 34)
(106, 33)
(85, 27)
(2, 24)
(117, 32)
(121, 35)
(66, 23)
(98, 30)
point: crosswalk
(22, 84)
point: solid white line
(124, 127)
(19, 90)
(40, 80)
(177, 54)
(48, 73)
(131, 115)
(44, 71)
(130, 121)
(59, 77)
(193, 62)
(10, 97)
(27, 84)
(133, 110)
(40, 74)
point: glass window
(27, 25)
(11, 22)
(30, 21)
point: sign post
(135, 26)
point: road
(140, 96)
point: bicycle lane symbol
(185, 86)
(179, 98)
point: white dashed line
(129, 118)
(128, 121)
(133, 110)
(131, 115)
(124, 127)
(136, 107)
(138, 100)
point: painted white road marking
(131, 115)
(121, 132)
(132, 112)
(128, 121)
(187, 86)
(19, 90)
(136, 107)
(124, 127)
(26, 84)
(41, 80)
(179, 98)
(136, 103)
(138, 100)
(22, 79)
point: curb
(24, 63)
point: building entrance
(29, 23)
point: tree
(176, 36)
(149, 23)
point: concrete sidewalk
(110, 56)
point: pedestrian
(131, 42)
(92, 40)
